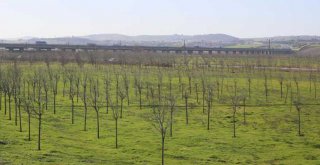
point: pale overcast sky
(241, 18)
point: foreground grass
(269, 137)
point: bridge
(156, 49)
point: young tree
(122, 96)
(39, 112)
(95, 103)
(46, 89)
(116, 114)
(186, 96)
(249, 85)
(72, 94)
(244, 110)
(172, 105)
(126, 86)
(281, 79)
(139, 86)
(29, 108)
(266, 87)
(84, 85)
(298, 105)
(209, 102)
(235, 105)
(54, 86)
(161, 122)
(107, 91)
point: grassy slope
(270, 136)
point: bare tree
(84, 85)
(298, 105)
(186, 96)
(161, 122)
(209, 102)
(172, 105)
(39, 112)
(281, 79)
(122, 96)
(235, 105)
(55, 90)
(116, 114)
(29, 108)
(95, 103)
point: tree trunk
(244, 112)
(116, 133)
(107, 108)
(203, 92)
(187, 116)
(0, 100)
(162, 150)
(140, 100)
(5, 103)
(39, 133)
(197, 94)
(234, 123)
(9, 107)
(281, 91)
(128, 96)
(72, 111)
(121, 108)
(46, 100)
(299, 123)
(54, 103)
(98, 127)
(208, 122)
(29, 126)
(171, 121)
(15, 110)
(20, 122)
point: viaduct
(156, 49)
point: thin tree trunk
(244, 112)
(121, 108)
(234, 124)
(162, 150)
(98, 127)
(29, 126)
(299, 123)
(9, 107)
(5, 103)
(46, 100)
(0, 100)
(140, 100)
(20, 122)
(54, 103)
(187, 116)
(39, 133)
(15, 110)
(208, 122)
(116, 133)
(72, 111)
(203, 92)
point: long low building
(187, 50)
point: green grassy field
(270, 135)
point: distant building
(41, 42)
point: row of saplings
(31, 95)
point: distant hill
(205, 40)
(291, 38)
(163, 38)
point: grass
(268, 137)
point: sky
(240, 18)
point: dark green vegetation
(192, 109)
